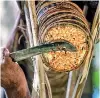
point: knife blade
(43, 48)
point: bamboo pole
(72, 73)
(36, 75)
(38, 66)
(87, 63)
(29, 31)
(69, 84)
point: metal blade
(44, 48)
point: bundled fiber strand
(63, 21)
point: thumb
(6, 57)
(6, 52)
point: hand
(13, 78)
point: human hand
(12, 77)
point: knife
(43, 48)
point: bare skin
(13, 78)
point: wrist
(22, 89)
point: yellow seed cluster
(62, 60)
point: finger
(6, 63)
(6, 52)
(6, 58)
